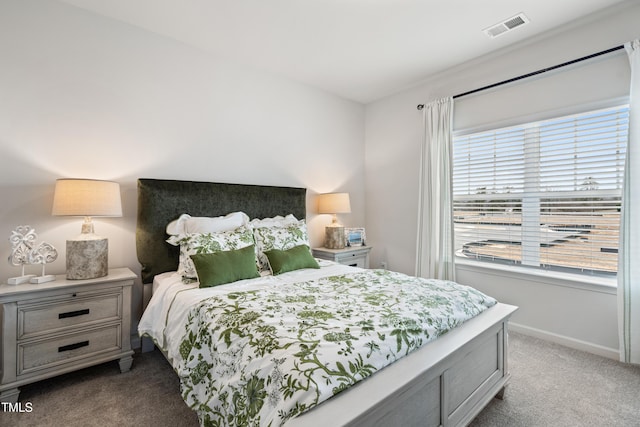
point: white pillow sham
(276, 221)
(205, 243)
(279, 237)
(187, 224)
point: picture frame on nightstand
(354, 237)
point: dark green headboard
(161, 201)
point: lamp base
(334, 237)
(87, 258)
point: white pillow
(276, 221)
(187, 224)
(206, 243)
(279, 237)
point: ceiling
(358, 49)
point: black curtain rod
(534, 73)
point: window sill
(556, 278)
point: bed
(446, 381)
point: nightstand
(355, 256)
(57, 327)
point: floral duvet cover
(262, 356)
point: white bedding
(164, 318)
(261, 351)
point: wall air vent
(506, 25)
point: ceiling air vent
(507, 25)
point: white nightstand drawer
(357, 256)
(42, 354)
(353, 261)
(47, 317)
(50, 328)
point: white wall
(584, 317)
(88, 97)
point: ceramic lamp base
(334, 237)
(87, 258)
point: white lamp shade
(334, 203)
(86, 197)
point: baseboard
(607, 352)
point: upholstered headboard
(161, 201)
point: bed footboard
(447, 383)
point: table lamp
(334, 203)
(87, 254)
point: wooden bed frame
(445, 383)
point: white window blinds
(544, 194)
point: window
(544, 194)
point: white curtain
(435, 250)
(629, 257)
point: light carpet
(551, 385)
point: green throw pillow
(295, 258)
(222, 267)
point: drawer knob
(73, 313)
(73, 346)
